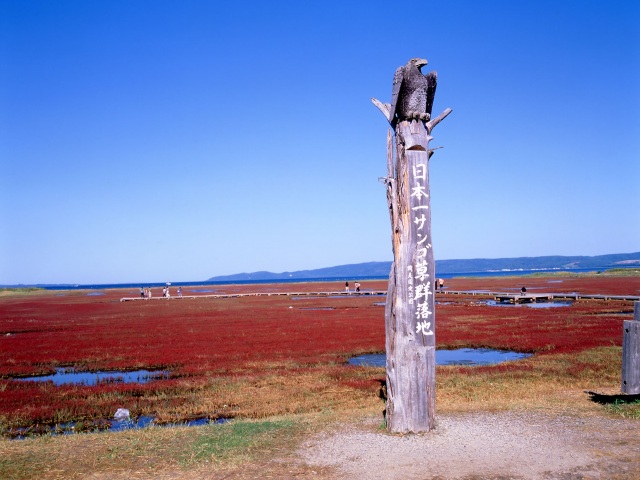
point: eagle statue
(413, 92)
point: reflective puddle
(144, 422)
(68, 376)
(461, 356)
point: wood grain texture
(631, 353)
(410, 308)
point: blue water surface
(461, 356)
(339, 280)
(68, 376)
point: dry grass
(556, 382)
(294, 392)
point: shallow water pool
(68, 376)
(461, 356)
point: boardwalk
(265, 294)
(541, 297)
(498, 296)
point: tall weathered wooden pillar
(631, 353)
(410, 308)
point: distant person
(180, 292)
(168, 294)
(357, 284)
(441, 283)
(141, 292)
(149, 293)
(523, 290)
(346, 287)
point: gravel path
(484, 446)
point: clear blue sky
(174, 141)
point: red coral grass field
(258, 356)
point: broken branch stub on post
(410, 306)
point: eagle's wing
(432, 82)
(395, 93)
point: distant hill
(381, 269)
(538, 263)
(370, 269)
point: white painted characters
(419, 191)
(419, 284)
(425, 327)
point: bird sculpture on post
(410, 307)
(413, 92)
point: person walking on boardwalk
(346, 287)
(179, 292)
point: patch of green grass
(629, 272)
(7, 290)
(623, 272)
(625, 409)
(236, 438)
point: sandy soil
(483, 446)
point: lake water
(461, 356)
(339, 280)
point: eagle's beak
(421, 62)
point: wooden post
(410, 310)
(410, 306)
(631, 353)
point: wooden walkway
(541, 297)
(514, 298)
(523, 298)
(264, 294)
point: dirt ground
(485, 446)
